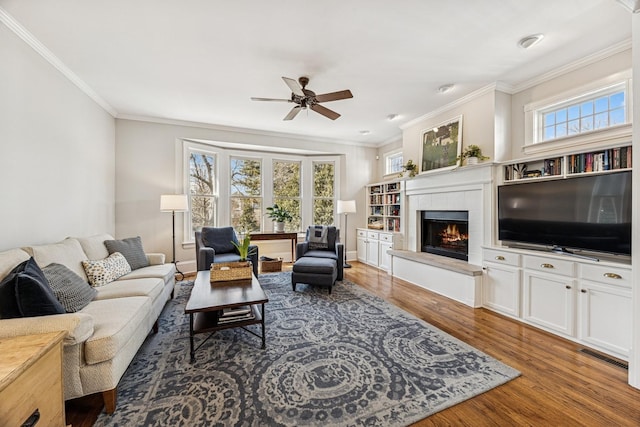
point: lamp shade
(174, 203)
(346, 206)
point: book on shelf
(235, 314)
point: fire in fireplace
(446, 233)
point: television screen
(591, 212)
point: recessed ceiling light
(391, 117)
(445, 88)
(365, 132)
(530, 41)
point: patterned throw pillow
(103, 271)
(132, 250)
(70, 289)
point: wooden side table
(31, 380)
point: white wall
(57, 153)
(148, 159)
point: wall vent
(607, 359)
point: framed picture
(442, 145)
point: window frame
(388, 157)
(260, 197)
(188, 149)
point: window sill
(614, 135)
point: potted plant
(243, 247)
(410, 167)
(472, 153)
(279, 215)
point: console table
(279, 236)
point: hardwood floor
(559, 385)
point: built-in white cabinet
(583, 300)
(372, 247)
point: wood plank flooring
(559, 386)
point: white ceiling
(202, 60)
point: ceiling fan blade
(270, 99)
(294, 86)
(324, 111)
(294, 112)
(334, 96)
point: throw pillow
(219, 238)
(132, 250)
(33, 294)
(8, 304)
(103, 271)
(70, 289)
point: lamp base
(175, 263)
(346, 265)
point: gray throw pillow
(131, 249)
(70, 289)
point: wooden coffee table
(207, 302)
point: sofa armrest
(155, 258)
(79, 326)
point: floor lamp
(174, 203)
(346, 207)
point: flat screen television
(591, 212)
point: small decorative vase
(278, 227)
(472, 160)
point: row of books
(615, 158)
(552, 166)
(229, 315)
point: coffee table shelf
(207, 301)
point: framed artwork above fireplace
(441, 146)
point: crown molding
(460, 101)
(573, 66)
(232, 129)
(42, 50)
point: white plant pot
(278, 227)
(472, 160)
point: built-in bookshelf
(384, 206)
(596, 161)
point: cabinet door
(605, 317)
(549, 301)
(501, 289)
(373, 253)
(385, 258)
(361, 249)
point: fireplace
(446, 233)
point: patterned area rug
(344, 359)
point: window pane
(203, 212)
(574, 127)
(561, 116)
(602, 104)
(616, 116)
(574, 112)
(246, 213)
(587, 124)
(616, 100)
(286, 179)
(549, 132)
(323, 179)
(394, 163)
(602, 120)
(561, 130)
(246, 179)
(323, 211)
(549, 119)
(586, 108)
(293, 206)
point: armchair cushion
(219, 239)
(131, 249)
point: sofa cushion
(8, 304)
(73, 292)
(132, 250)
(10, 259)
(146, 287)
(161, 271)
(115, 321)
(67, 252)
(32, 292)
(103, 271)
(219, 238)
(93, 246)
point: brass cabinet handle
(500, 258)
(545, 265)
(612, 276)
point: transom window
(597, 110)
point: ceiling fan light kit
(305, 98)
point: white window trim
(385, 159)
(620, 132)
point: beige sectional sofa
(103, 337)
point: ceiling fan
(306, 98)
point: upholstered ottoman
(314, 271)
